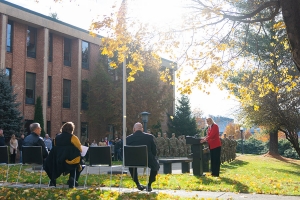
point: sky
(81, 13)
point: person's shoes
(52, 183)
(148, 188)
(141, 187)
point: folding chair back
(136, 156)
(100, 155)
(32, 155)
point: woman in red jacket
(214, 143)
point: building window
(31, 42)
(9, 36)
(85, 55)
(49, 128)
(49, 90)
(30, 88)
(50, 50)
(8, 74)
(84, 129)
(67, 52)
(84, 94)
(66, 93)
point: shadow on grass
(295, 173)
(237, 186)
(234, 164)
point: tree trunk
(273, 149)
(291, 17)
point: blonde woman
(13, 148)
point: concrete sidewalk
(180, 193)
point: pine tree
(11, 120)
(38, 115)
(183, 123)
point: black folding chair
(135, 157)
(99, 156)
(33, 156)
(4, 159)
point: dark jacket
(140, 138)
(2, 141)
(34, 140)
(20, 144)
(64, 156)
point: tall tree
(11, 120)
(38, 114)
(146, 93)
(183, 123)
(269, 93)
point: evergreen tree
(183, 123)
(38, 115)
(11, 120)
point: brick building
(48, 58)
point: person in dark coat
(2, 139)
(140, 138)
(20, 144)
(65, 156)
(34, 138)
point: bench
(167, 164)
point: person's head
(173, 135)
(210, 121)
(149, 131)
(46, 136)
(1, 132)
(13, 136)
(159, 134)
(35, 128)
(68, 127)
(102, 139)
(137, 127)
(22, 136)
(105, 138)
(164, 135)
(224, 135)
(94, 141)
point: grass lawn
(247, 174)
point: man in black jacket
(140, 138)
(34, 138)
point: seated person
(34, 138)
(65, 156)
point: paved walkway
(176, 169)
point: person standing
(34, 138)
(140, 138)
(48, 142)
(214, 143)
(20, 144)
(2, 139)
(13, 148)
